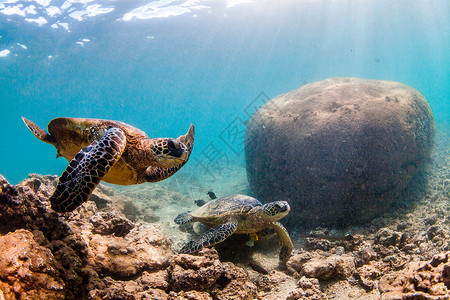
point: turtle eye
(174, 148)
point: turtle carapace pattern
(112, 151)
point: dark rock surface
(341, 150)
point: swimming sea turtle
(111, 151)
(237, 214)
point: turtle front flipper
(86, 169)
(211, 237)
(284, 240)
(154, 174)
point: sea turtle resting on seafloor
(111, 151)
(237, 214)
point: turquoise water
(161, 65)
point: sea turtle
(237, 214)
(111, 151)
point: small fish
(212, 195)
(200, 202)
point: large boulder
(339, 150)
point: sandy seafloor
(415, 214)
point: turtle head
(168, 152)
(274, 211)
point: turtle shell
(73, 134)
(225, 206)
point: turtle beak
(178, 152)
(285, 208)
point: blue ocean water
(162, 65)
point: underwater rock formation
(95, 253)
(339, 150)
(27, 269)
(308, 288)
(205, 272)
(429, 280)
(322, 267)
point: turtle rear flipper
(211, 237)
(39, 133)
(86, 170)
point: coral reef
(98, 252)
(27, 269)
(419, 280)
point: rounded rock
(340, 151)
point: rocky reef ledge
(97, 252)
